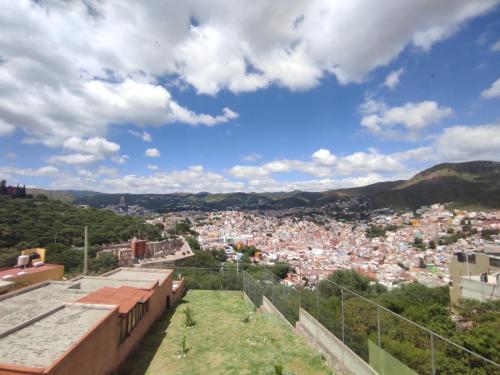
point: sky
(269, 95)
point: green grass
(223, 341)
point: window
(495, 262)
(129, 322)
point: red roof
(125, 297)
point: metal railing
(351, 317)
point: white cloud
(184, 115)
(496, 47)
(74, 159)
(323, 164)
(6, 129)
(152, 153)
(251, 157)
(323, 157)
(95, 146)
(414, 117)
(107, 171)
(371, 162)
(46, 170)
(152, 167)
(493, 91)
(71, 69)
(145, 136)
(121, 159)
(392, 79)
(193, 179)
(462, 143)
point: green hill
(26, 223)
(475, 183)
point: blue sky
(263, 97)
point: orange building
(88, 325)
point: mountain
(474, 183)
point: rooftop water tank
(23, 260)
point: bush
(188, 317)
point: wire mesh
(352, 318)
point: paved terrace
(38, 324)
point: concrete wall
(54, 272)
(157, 307)
(459, 270)
(93, 354)
(478, 290)
(335, 352)
(267, 306)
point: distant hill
(471, 183)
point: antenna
(86, 252)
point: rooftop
(16, 271)
(40, 323)
(41, 343)
(124, 296)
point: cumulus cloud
(46, 170)
(193, 179)
(493, 91)
(70, 69)
(251, 157)
(145, 136)
(152, 167)
(96, 146)
(323, 164)
(496, 46)
(121, 159)
(6, 129)
(381, 120)
(74, 159)
(152, 153)
(323, 157)
(461, 143)
(392, 79)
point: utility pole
(86, 252)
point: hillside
(470, 183)
(26, 223)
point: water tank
(23, 260)
(38, 264)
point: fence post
(211, 281)
(378, 325)
(342, 309)
(432, 355)
(194, 278)
(272, 293)
(244, 284)
(284, 301)
(317, 302)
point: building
(12, 191)
(88, 325)
(466, 271)
(140, 251)
(31, 269)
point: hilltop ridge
(469, 183)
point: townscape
(390, 247)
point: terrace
(229, 337)
(352, 333)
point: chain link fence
(361, 324)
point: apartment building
(88, 325)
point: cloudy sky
(166, 96)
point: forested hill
(26, 223)
(471, 183)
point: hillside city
(390, 247)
